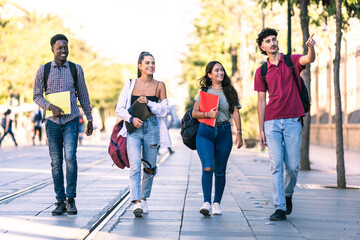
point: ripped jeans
(214, 146)
(142, 145)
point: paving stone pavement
(319, 212)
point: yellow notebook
(61, 100)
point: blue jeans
(213, 145)
(283, 138)
(62, 140)
(142, 145)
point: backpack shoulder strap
(289, 63)
(75, 77)
(46, 74)
(263, 73)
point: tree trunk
(234, 60)
(305, 135)
(340, 165)
(289, 10)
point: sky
(121, 29)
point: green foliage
(25, 46)
(213, 29)
(249, 116)
(351, 9)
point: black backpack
(189, 127)
(73, 73)
(304, 95)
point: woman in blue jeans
(214, 143)
(142, 144)
(8, 127)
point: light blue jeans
(142, 145)
(62, 140)
(283, 138)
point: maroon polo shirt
(284, 99)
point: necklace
(216, 88)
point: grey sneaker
(60, 208)
(70, 206)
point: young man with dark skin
(280, 119)
(62, 129)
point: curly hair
(228, 89)
(264, 34)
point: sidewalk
(319, 212)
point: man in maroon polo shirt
(279, 120)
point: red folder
(208, 101)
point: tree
(305, 135)
(343, 11)
(340, 163)
(25, 46)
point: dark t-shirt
(284, 99)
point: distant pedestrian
(81, 127)
(142, 144)
(97, 123)
(214, 144)
(37, 120)
(62, 129)
(280, 119)
(8, 127)
(168, 126)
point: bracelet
(204, 115)
(131, 120)
(207, 114)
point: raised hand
(310, 42)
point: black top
(150, 98)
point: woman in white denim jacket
(142, 144)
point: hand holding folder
(139, 110)
(61, 100)
(208, 102)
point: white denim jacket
(160, 109)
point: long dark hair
(141, 57)
(228, 89)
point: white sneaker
(137, 210)
(145, 207)
(205, 209)
(216, 209)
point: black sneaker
(60, 208)
(278, 215)
(70, 206)
(288, 205)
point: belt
(222, 123)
